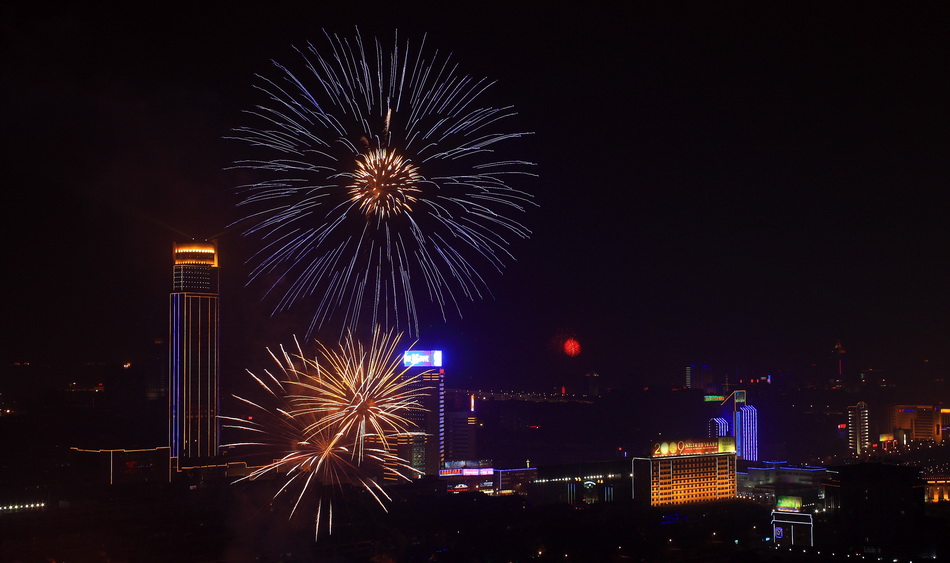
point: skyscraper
(193, 361)
(858, 432)
(425, 451)
(747, 433)
(461, 425)
(717, 427)
(745, 425)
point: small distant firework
(332, 421)
(572, 347)
(381, 183)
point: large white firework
(382, 183)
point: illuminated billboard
(422, 358)
(467, 472)
(726, 444)
(788, 504)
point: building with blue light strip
(747, 433)
(194, 331)
(744, 421)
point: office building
(717, 427)
(770, 481)
(859, 435)
(913, 423)
(701, 377)
(747, 433)
(461, 425)
(745, 424)
(193, 397)
(425, 449)
(686, 471)
(460, 432)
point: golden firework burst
(332, 420)
(384, 183)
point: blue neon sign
(422, 358)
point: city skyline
(737, 187)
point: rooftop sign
(422, 358)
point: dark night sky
(735, 186)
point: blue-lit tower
(194, 323)
(718, 427)
(747, 433)
(745, 426)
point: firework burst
(382, 188)
(331, 421)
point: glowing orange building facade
(194, 323)
(686, 471)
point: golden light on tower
(384, 183)
(196, 253)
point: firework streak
(383, 184)
(332, 421)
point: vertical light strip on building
(747, 433)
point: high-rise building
(747, 433)
(745, 425)
(717, 427)
(425, 450)
(859, 435)
(461, 426)
(686, 471)
(700, 376)
(917, 423)
(194, 323)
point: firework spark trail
(382, 188)
(332, 420)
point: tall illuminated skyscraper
(747, 433)
(745, 425)
(425, 451)
(194, 322)
(859, 436)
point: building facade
(194, 363)
(747, 432)
(581, 484)
(424, 449)
(717, 427)
(859, 433)
(686, 471)
(913, 423)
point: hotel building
(859, 434)
(686, 471)
(425, 448)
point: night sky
(733, 186)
